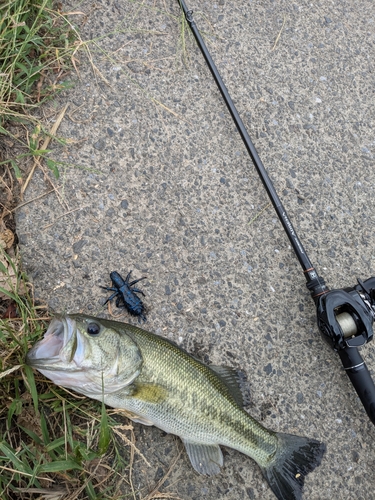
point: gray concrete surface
(168, 191)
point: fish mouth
(59, 345)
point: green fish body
(160, 384)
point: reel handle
(360, 377)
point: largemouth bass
(160, 384)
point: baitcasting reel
(345, 320)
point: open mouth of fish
(60, 344)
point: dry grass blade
(10, 285)
(260, 213)
(9, 469)
(117, 430)
(9, 371)
(279, 35)
(155, 493)
(33, 199)
(46, 493)
(46, 142)
(64, 215)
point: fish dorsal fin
(235, 381)
(205, 458)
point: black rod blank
(280, 210)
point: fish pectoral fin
(235, 381)
(138, 419)
(205, 458)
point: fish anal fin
(235, 381)
(205, 458)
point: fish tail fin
(295, 458)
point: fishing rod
(345, 316)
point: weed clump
(37, 48)
(35, 53)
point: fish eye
(93, 329)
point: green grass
(37, 47)
(49, 438)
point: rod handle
(360, 377)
